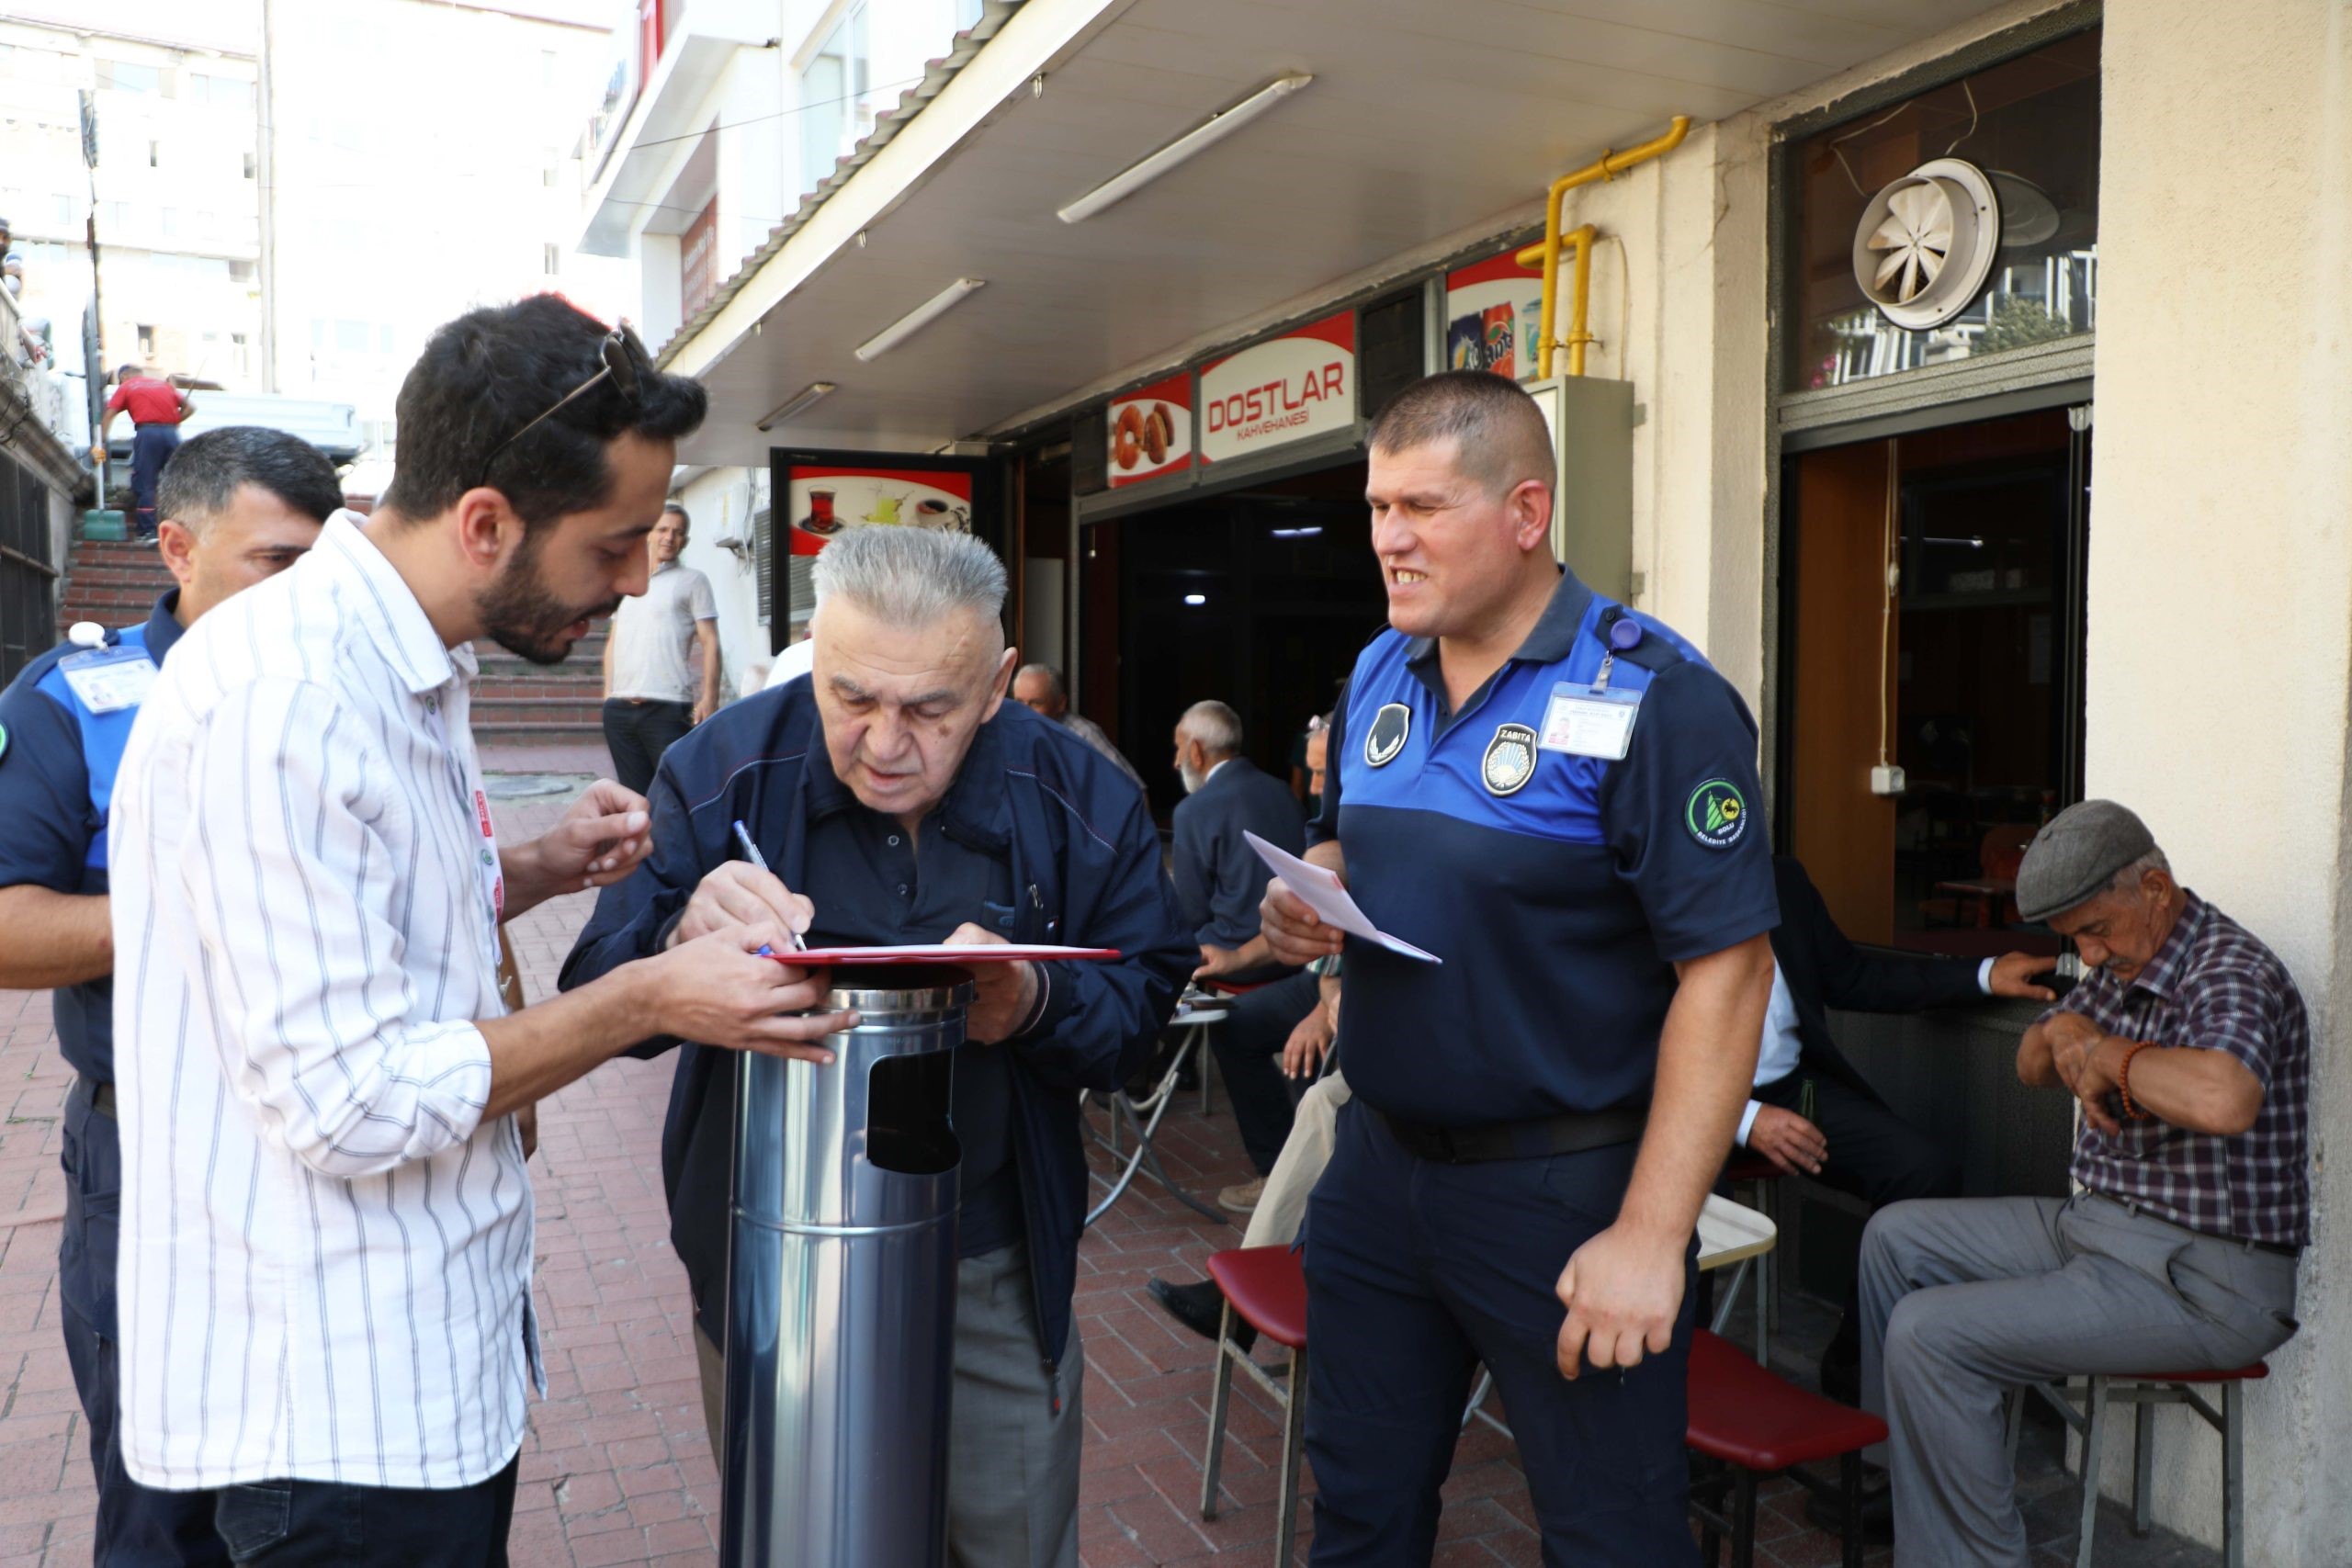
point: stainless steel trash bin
(840, 1310)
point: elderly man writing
(2187, 1048)
(901, 799)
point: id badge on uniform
(1584, 722)
(107, 680)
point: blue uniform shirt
(1560, 890)
(56, 783)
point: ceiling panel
(1423, 121)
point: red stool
(1755, 1425)
(1267, 1288)
(1753, 1170)
(2146, 1391)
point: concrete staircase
(551, 715)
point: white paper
(1320, 889)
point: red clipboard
(939, 952)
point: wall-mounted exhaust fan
(1925, 242)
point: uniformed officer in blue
(1558, 797)
(237, 505)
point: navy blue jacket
(1220, 881)
(1084, 855)
(57, 766)
(1825, 970)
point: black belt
(101, 1096)
(1566, 1135)
(2138, 1210)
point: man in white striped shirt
(327, 1226)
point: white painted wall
(2223, 486)
(720, 502)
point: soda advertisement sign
(1150, 431)
(1493, 317)
(1281, 390)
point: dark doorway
(1967, 676)
(1261, 598)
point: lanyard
(476, 802)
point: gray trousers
(1015, 1433)
(1964, 1297)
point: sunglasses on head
(625, 363)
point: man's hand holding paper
(1306, 911)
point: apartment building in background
(711, 128)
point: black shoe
(1841, 1380)
(1877, 1510)
(1200, 1307)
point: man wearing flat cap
(2187, 1046)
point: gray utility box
(1592, 492)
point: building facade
(455, 183)
(1961, 555)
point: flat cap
(2076, 854)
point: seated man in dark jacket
(1220, 882)
(899, 799)
(1812, 1113)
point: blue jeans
(1416, 1272)
(136, 1525)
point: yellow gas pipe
(1608, 166)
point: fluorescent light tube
(921, 316)
(801, 402)
(1200, 138)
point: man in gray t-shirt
(653, 691)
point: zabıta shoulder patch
(1510, 760)
(1717, 814)
(1390, 726)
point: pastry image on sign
(1127, 437)
(1147, 433)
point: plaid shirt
(2212, 986)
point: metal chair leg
(1203, 1059)
(1850, 1506)
(1714, 1477)
(2233, 1475)
(1764, 1310)
(1743, 1517)
(2144, 1465)
(1728, 1298)
(1294, 1440)
(1220, 1394)
(2094, 1428)
(1477, 1395)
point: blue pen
(751, 853)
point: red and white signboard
(1493, 315)
(824, 500)
(1281, 390)
(1150, 431)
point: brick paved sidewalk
(617, 1468)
